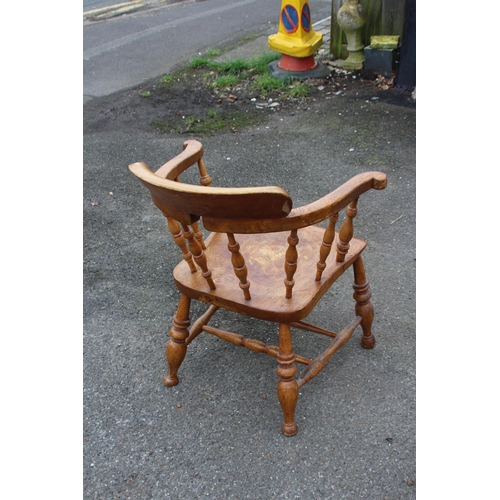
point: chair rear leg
(364, 307)
(176, 346)
(288, 390)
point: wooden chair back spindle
(198, 234)
(291, 258)
(180, 241)
(239, 266)
(198, 255)
(205, 179)
(326, 245)
(346, 231)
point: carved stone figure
(351, 19)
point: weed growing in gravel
(226, 81)
(214, 122)
(267, 83)
(299, 89)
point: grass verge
(197, 95)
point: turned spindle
(252, 344)
(205, 179)
(238, 261)
(346, 231)
(180, 241)
(198, 235)
(326, 245)
(291, 258)
(198, 255)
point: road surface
(124, 51)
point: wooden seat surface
(264, 257)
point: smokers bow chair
(263, 259)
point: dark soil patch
(184, 105)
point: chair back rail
(187, 203)
(307, 215)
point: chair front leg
(364, 307)
(288, 389)
(176, 346)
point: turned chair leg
(364, 307)
(288, 390)
(176, 346)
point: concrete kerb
(117, 9)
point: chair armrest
(306, 215)
(192, 153)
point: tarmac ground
(217, 434)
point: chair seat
(264, 257)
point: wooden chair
(263, 259)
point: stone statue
(351, 19)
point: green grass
(252, 73)
(260, 63)
(299, 89)
(199, 62)
(225, 81)
(235, 67)
(267, 83)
